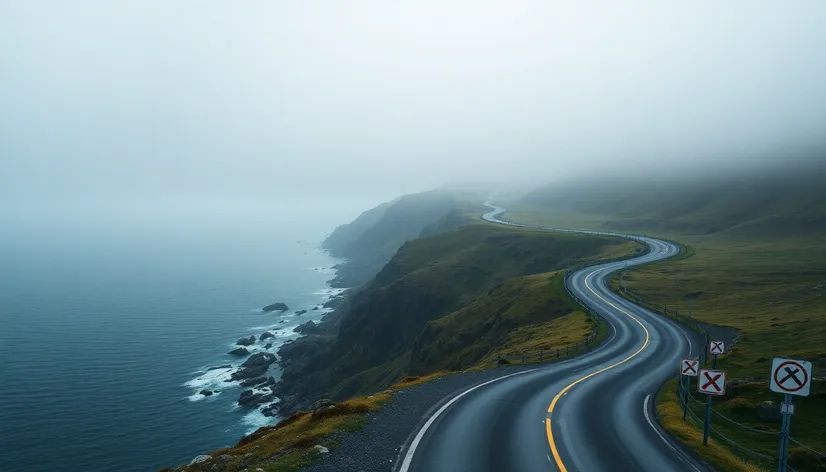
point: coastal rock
(254, 381)
(265, 335)
(225, 366)
(308, 328)
(246, 341)
(270, 410)
(200, 459)
(321, 449)
(282, 321)
(769, 411)
(315, 308)
(299, 313)
(277, 306)
(251, 399)
(304, 346)
(255, 366)
(262, 358)
(241, 351)
(206, 393)
(323, 403)
(268, 346)
(322, 406)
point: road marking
(651, 423)
(408, 458)
(689, 342)
(548, 429)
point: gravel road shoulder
(376, 447)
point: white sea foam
(214, 378)
(329, 292)
(255, 419)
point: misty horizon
(150, 105)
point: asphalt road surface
(591, 413)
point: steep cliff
(469, 278)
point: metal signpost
(789, 377)
(688, 368)
(712, 382)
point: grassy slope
(441, 277)
(759, 265)
(529, 313)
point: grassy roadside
(771, 289)
(670, 416)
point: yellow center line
(550, 433)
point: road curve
(591, 413)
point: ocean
(111, 320)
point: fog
(167, 103)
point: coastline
(282, 328)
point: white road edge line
(408, 458)
(650, 423)
(689, 342)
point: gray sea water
(109, 321)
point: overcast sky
(260, 99)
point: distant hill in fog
(775, 202)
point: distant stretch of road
(588, 414)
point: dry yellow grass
(288, 445)
(555, 334)
(671, 418)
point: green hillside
(373, 238)
(758, 265)
(770, 204)
(471, 280)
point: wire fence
(694, 325)
(686, 320)
(686, 396)
(544, 355)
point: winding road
(589, 414)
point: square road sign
(711, 382)
(689, 367)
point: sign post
(791, 378)
(712, 382)
(688, 368)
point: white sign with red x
(712, 382)
(717, 347)
(689, 367)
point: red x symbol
(712, 381)
(716, 347)
(689, 367)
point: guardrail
(674, 314)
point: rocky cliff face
(427, 279)
(374, 237)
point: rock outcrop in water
(246, 341)
(265, 335)
(256, 366)
(240, 352)
(250, 398)
(277, 306)
(308, 328)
